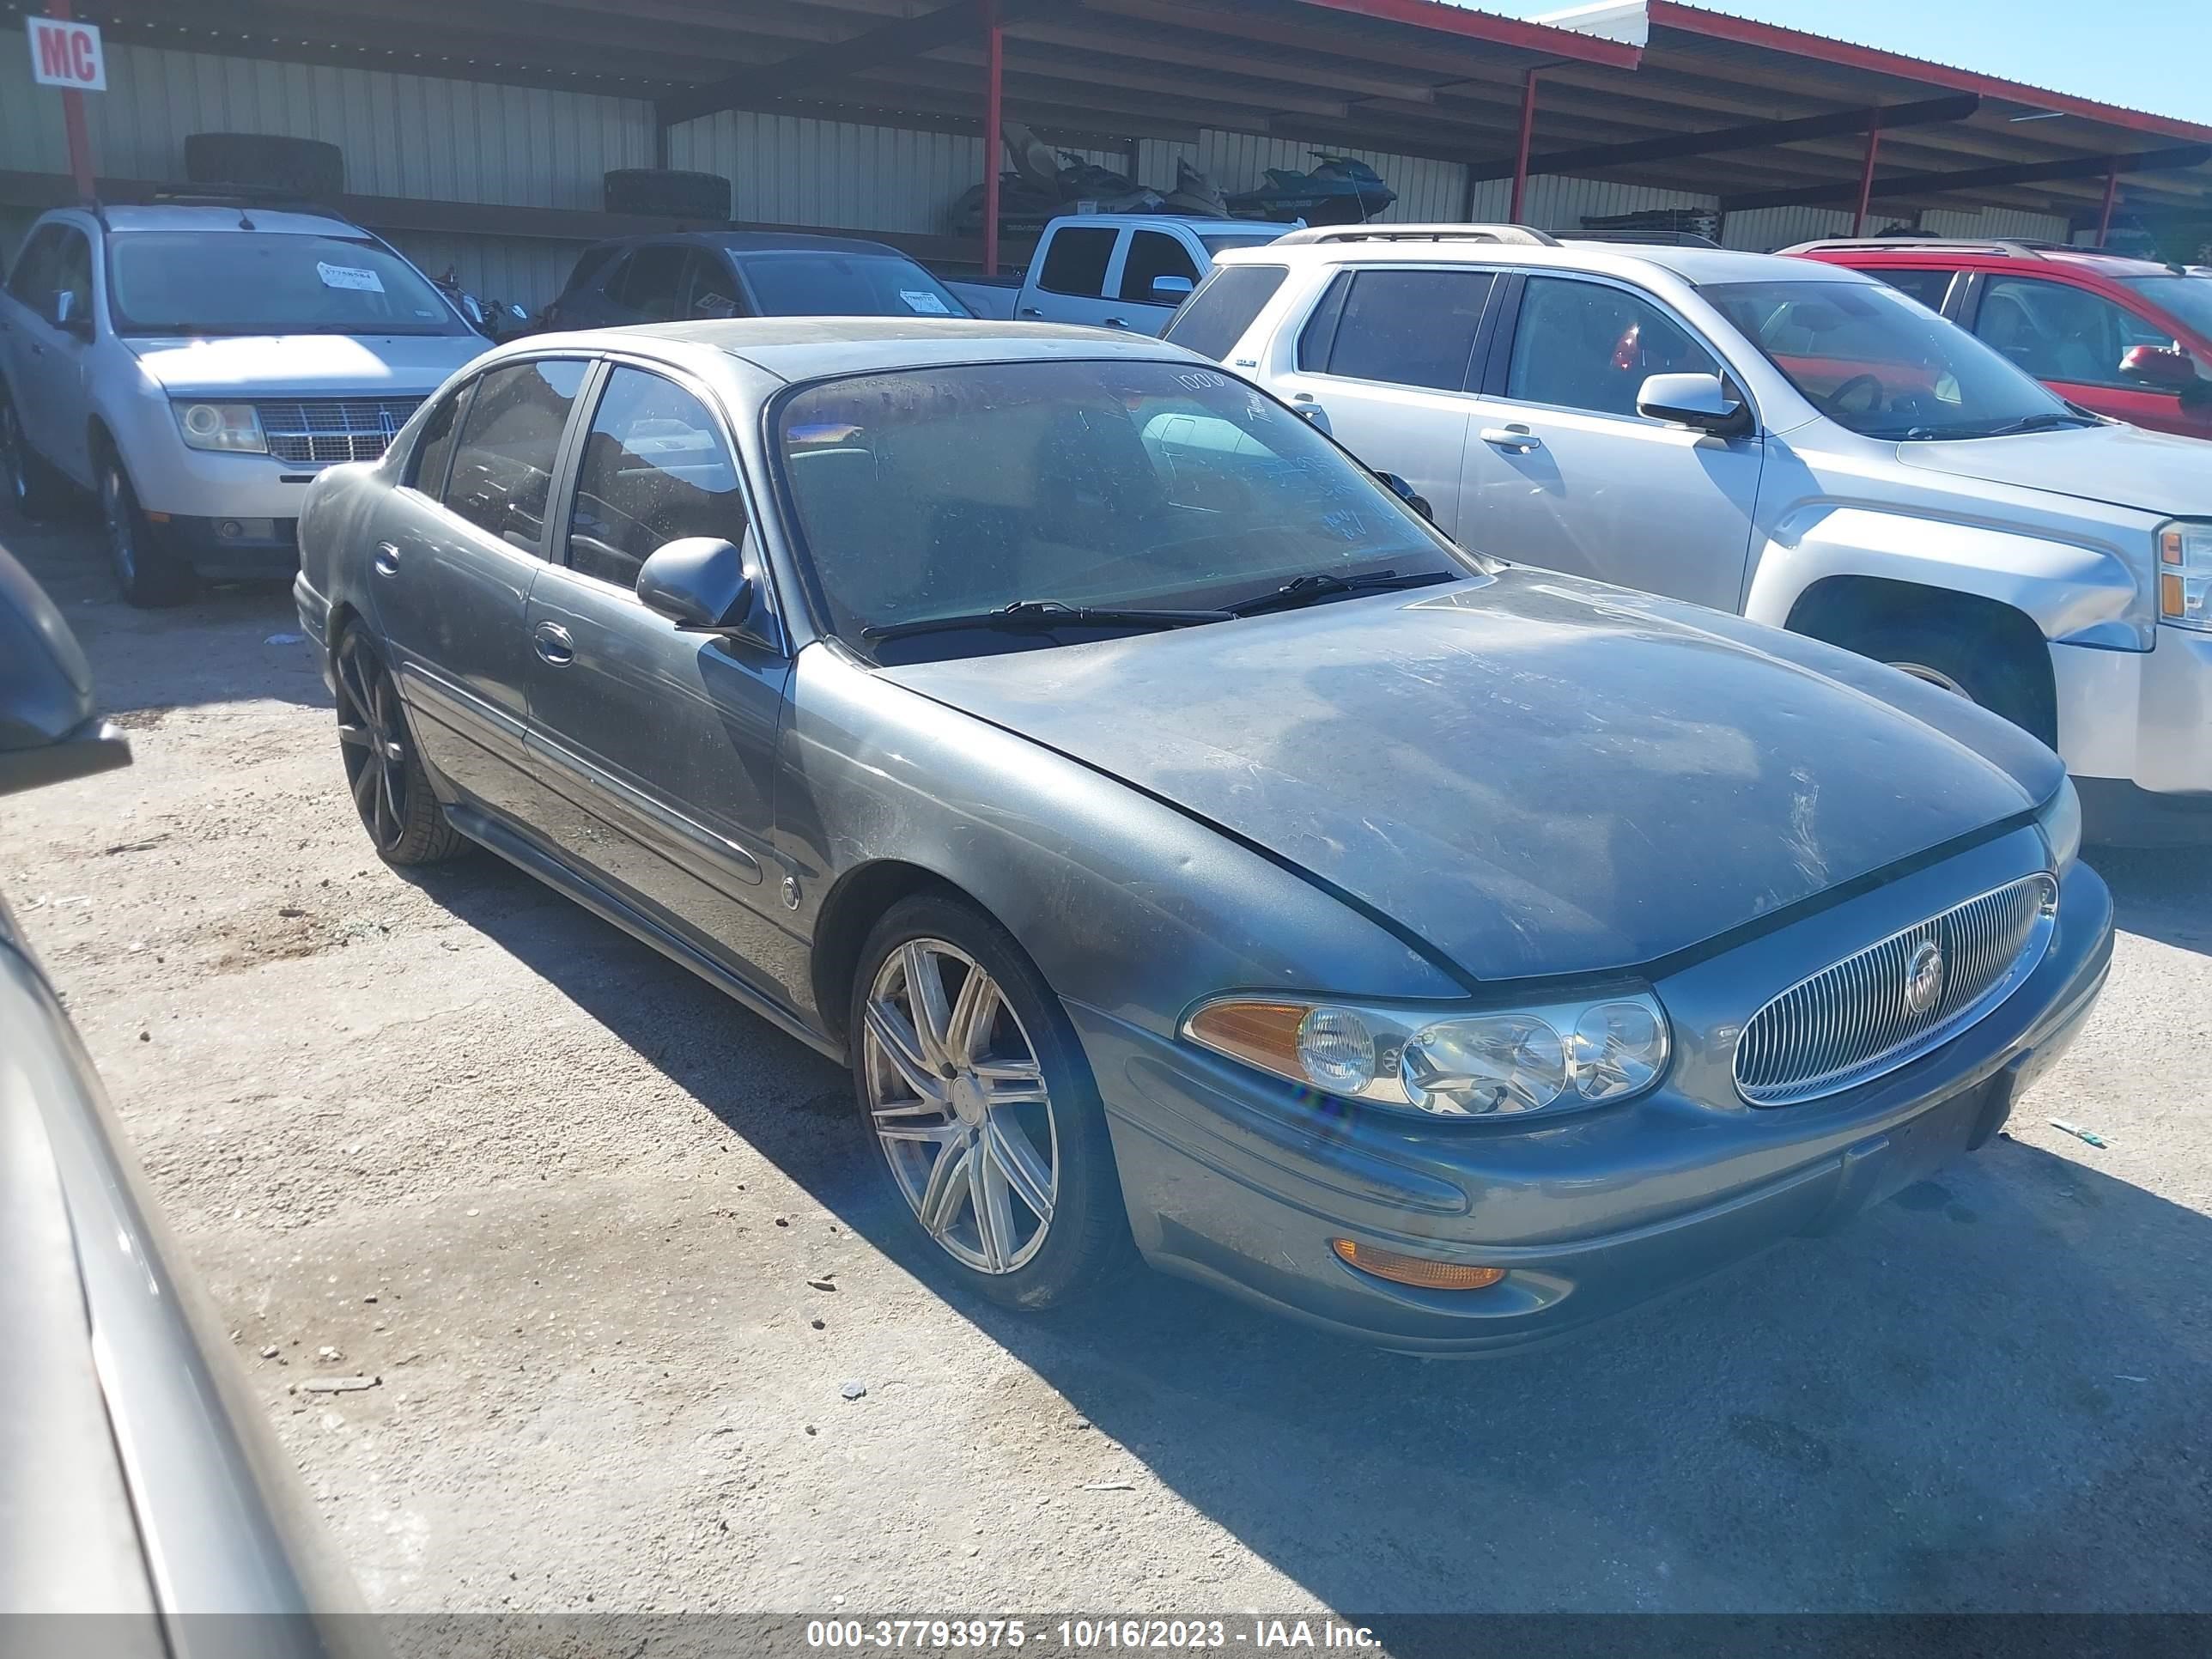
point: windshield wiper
(1306, 590)
(1045, 614)
(2043, 420)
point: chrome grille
(317, 431)
(1854, 1021)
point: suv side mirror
(1171, 290)
(2162, 367)
(67, 318)
(1703, 401)
(700, 584)
(48, 731)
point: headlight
(221, 426)
(2060, 820)
(1497, 1063)
(2184, 574)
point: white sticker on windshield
(924, 301)
(350, 276)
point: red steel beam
(1520, 150)
(1866, 175)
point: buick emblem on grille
(1924, 978)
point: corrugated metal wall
(1998, 221)
(1762, 230)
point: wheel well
(1852, 612)
(860, 897)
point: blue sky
(2147, 54)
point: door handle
(554, 644)
(1031, 311)
(387, 559)
(1116, 322)
(38, 349)
(1310, 406)
(1517, 438)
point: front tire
(391, 791)
(978, 1097)
(1973, 663)
(147, 573)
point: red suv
(2127, 337)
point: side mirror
(68, 318)
(699, 583)
(48, 731)
(1406, 493)
(1171, 290)
(2162, 367)
(1703, 401)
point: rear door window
(1928, 287)
(1215, 318)
(510, 435)
(433, 454)
(652, 283)
(711, 288)
(1154, 253)
(1075, 261)
(655, 470)
(1409, 327)
(1590, 346)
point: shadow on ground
(1968, 1400)
(2163, 893)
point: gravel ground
(566, 1202)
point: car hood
(307, 365)
(2119, 465)
(1537, 775)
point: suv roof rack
(1521, 235)
(268, 196)
(2011, 247)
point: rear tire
(147, 573)
(383, 772)
(1005, 1164)
(33, 490)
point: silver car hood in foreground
(2119, 465)
(1535, 775)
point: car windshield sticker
(353, 276)
(924, 301)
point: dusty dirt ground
(565, 1202)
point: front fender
(2076, 592)
(1124, 902)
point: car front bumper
(1242, 1182)
(2139, 723)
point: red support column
(1521, 155)
(80, 142)
(1866, 174)
(994, 60)
(2112, 195)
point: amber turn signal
(1417, 1271)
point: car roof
(1696, 265)
(178, 216)
(810, 348)
(2026, 255)
(759, 242)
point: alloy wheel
(373, 739)
(122, 533)
(12, 457)
(959, 1105)
(1935, 676)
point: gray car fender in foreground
(1123, 901)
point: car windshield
(2189, 298)
(952, 491)
(824, 284)
(1879, 363)
(246, 282)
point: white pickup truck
(1112, 271)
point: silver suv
(1791, 441)
(195, 365)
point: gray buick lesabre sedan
(1185, 844)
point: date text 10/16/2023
(1072, 1636)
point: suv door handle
(1116, 322)
(1031, 311)
(554, 644)
(387, 559)
(1512, 437)
(1305, 403)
